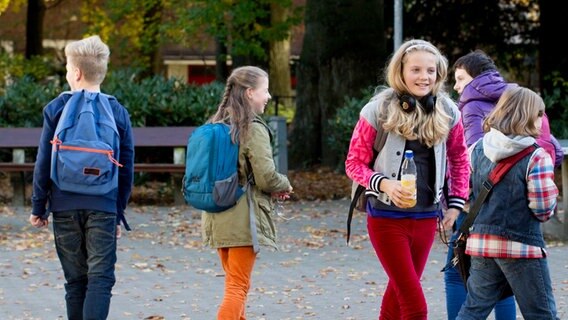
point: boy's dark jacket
(47, 197)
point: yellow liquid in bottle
(408, 182)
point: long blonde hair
(516, 112)
(428, 128)
(234, 108)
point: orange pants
(238, 263)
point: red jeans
(402, 246)
(238, 263)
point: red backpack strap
(505, 164)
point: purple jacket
(477, 100)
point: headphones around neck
(408, 103)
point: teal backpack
(86, 145)
(211, 180)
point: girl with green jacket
(232, 232)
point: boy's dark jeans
(85, 241)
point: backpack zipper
(58, 144)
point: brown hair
(234, 108)
(516, 112)
(475, 63)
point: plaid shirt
(542, 195)
(488, 245)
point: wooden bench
(19, 139)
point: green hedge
(23, 100)
(343, 123)
(154, 101)
(157, 101)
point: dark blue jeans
(85, 241)
(529, 279)
(455, 289)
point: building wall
(175, 69)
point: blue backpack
(211, 180)
(85, 145)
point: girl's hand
(282, 195)
(398, 196)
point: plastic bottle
(408, 177)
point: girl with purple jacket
(480, 86)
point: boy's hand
(449, 218)
(38, 222)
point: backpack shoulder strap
(381, 137)
(506, 164)
(250, 177)
(494, 177)
(266, 126)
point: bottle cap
(408, 154)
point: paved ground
(164, 273)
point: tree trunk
(150, 37)
(279, 61)
(221, 53)
(550, 57)
(34, 28)
(344, 52)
